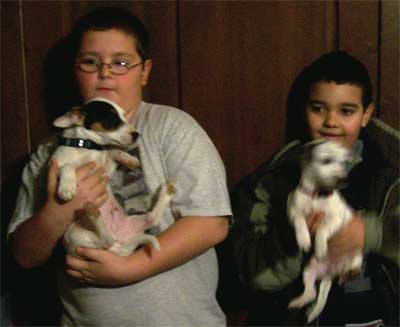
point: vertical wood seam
(337, 27)
(24, 77)
(178, 56)
(378, 62)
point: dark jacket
(264, 245)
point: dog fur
(324, 168)
(103, 122)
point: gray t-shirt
(171, 147)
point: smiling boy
(333, 100)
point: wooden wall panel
(389, 63)
(40, 33)
(14, 120)
(230, 64)
(237, 65)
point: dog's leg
(77, 235)
(153, 217)
(352, 269)
(125, 159)
(302, 233)
(67, 183)
(127, 247)
(336, 216)
(309, 278)
(324, 289)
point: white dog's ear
(307, 151)
(71, 118)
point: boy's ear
(71, 118)
(368, 115)
(146, 71)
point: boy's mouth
(330, 135)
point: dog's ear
(74, 117)
(307, 151)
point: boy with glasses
(175, 286)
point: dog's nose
(134, 136)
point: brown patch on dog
(171, 188)
(77, 116)
(349, 275)
(97, 127)
(92, 210)
(131, 164)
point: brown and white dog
(98, 131)
(325, 167)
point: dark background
(229, 64)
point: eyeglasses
(117, 68)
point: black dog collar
(80, 143)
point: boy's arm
(382, 231)
(263, 240)
(182, 241)
(33, 241)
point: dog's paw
(297, 303)
(171, 189)
(349, 275)
(304, 242)
(321, 251)
(66, 191)
(133, 163)
(312, 314)
(120, 249)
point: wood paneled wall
(229, 64)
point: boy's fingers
(85, 169)
(52, 176)
(101, 199)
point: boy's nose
(330, 120)
(104, 71)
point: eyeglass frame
(101, 64)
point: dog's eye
(326, 161)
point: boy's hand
(91, 187)
(347, 241)
(99, 267)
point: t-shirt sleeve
(193, 164)
(33, 190)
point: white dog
(325, 167)
(98, 131)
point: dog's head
(99, 120)
(326, 163)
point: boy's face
(335, 112)
(112, 46)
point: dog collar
(80, 143)
(317, 193)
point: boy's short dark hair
(337, 66)
(341, 68)
(106, 18)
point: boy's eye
(347, 111)
(89, 61)
(316, 108)
(120, 62)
